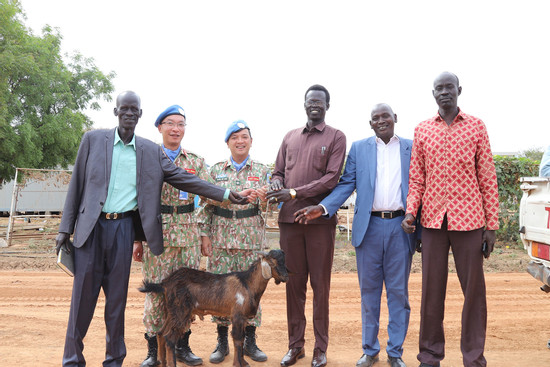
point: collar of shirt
(238, 166)
(118, 139)
(318, 127)
(460, 116)
(393, 140)
(172, 154)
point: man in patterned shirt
(183, 243)
(236, 233)
(452, 175)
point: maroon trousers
(466, 248)
(309, 250)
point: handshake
(249, 195)
(276, 193)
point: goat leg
(171, 355)
(161, 342)
(237, 333)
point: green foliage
(509, 170)
(42, 97)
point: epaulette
(219, 163)
(193, 154)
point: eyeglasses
(171, 124)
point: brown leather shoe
(319, 358)
(292, 356)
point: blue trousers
(102, 262)
(384, 258)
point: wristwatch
(292, 193)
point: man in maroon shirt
(307, 168)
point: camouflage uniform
(236, 240)
(182, 243)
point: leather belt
(239, 214)
(115, 216)
(180, 209)
(389, 215)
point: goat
(188, 292)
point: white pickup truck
(534, 227)
(534, 224)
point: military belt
(180, 209)
(239, 214)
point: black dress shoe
(292, 356)
(319, 358)
(367, 361)
(396, 362)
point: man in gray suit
(114, 200)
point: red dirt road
(34, 309)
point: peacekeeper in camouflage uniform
(182, 239)
(237, 232)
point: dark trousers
(466, 248)
(102, 262)
(309, 251)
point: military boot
(250, 347)
(152, 347)
(222, 349)
(184, 353)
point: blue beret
(172, 110)
(234, 127)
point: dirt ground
(35, 299)
(34, 309)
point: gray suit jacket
(90, 181)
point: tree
(43, 96)
(533, 153)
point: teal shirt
(122, 194)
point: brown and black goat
(188, 292)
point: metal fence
(36, 193)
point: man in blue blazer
(378, 168)
(112, 201)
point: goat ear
(266, 269)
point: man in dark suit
(113, 200)
(378, 168)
